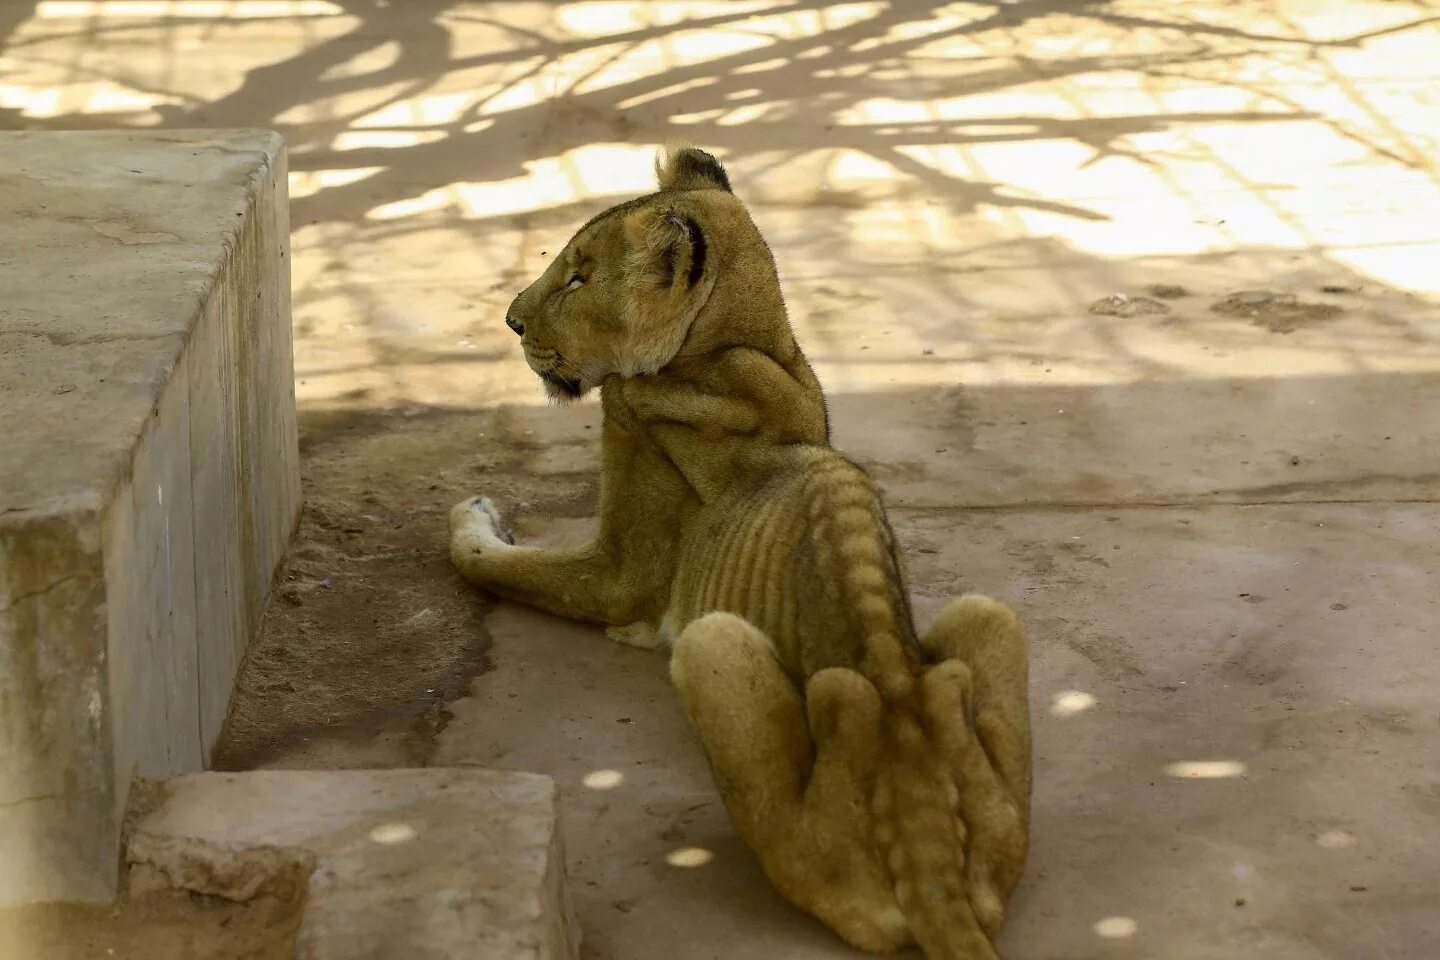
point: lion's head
(624, 294)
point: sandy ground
(1130, 307)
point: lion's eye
(576, 281)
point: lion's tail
(923, 841)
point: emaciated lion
(881, 777)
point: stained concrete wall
(148, 470)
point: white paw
(640, 634)
(476, 524)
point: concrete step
(433, 864)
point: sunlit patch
(666, 91)
(368, 60)
(603, 779)
(762, 67)
(303, 183)
(208, 9)
(606, 168)
(747, 113)
(649, 52)
(427, 202)
(1335, 839)
(1205, 769)
(384, 139)
(393, 833)
(828, 19)
(701, 45)
(689, 857)
(948, 22)
(92, 98)
(121, 100)
(892, 111)
(430, 109)
(521, 94)
(852, 166)
(1071, 702)
(594, 170)
(1116, 928)
(601, 17)
(29, 101)
(699, 116)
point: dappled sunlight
(1116, 928)
(1205, 769)
(689, 857)
(435, 109)
(1335, 839)
(29, 101)
(391, 834)
(384, 139)
(1071, 702)
(201, 9)
(304, 183)
(96, 99)
(600, 18)
(603, 779)
(595, 170)
(971, 178)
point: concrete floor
(1216, 512)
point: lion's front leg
(580, 583)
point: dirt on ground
(371, 632)
(1278, 312)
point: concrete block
(148, 470)
(433, 864)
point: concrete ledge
(148, 470)
(422, 864)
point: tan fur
(882, 779)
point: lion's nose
(516, 325)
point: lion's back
(806, 557)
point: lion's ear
(667, 248)
(684, 167)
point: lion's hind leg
(987, 637)
(750, 717)
(977, 693)
(793, 773)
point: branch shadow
(804, 90)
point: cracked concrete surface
(1217, 516)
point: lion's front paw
(477, 522)
(642, 635)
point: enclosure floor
(1213, 506)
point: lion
(881, 777)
